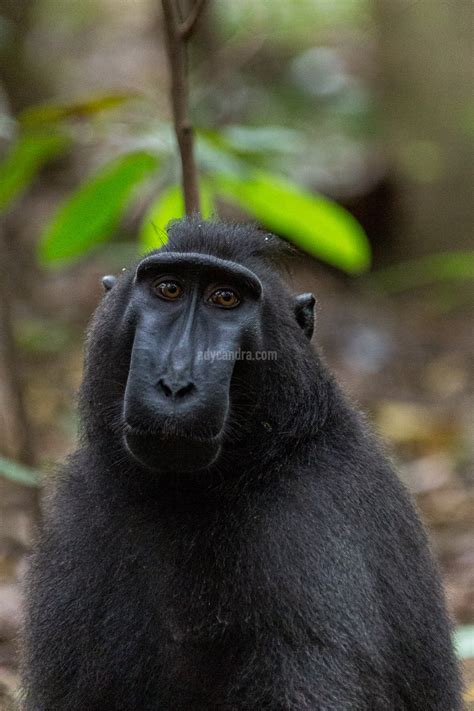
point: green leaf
(27, 155)
(170, 206)
(434, 268)
(315, 224)
(51, 113)
(19, 473)
(90, 216)
(464, 642)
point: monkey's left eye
(225, 298)
(169, 290)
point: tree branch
(187, 27)
(177, 34)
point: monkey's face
(195, 316)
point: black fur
(291, 574)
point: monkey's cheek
(172, 455)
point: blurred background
(345, 126)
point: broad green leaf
(444, 266)
(170, 206)
(464, 641)
(315, 224)
(90, 216)
(30, 152)
(19, 473)
(51, 113)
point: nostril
(182, 392)
(175, 391)
(165, 388)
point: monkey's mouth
(172, 453)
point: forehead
(195, 265)
(240, 243)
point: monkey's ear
(108, 282)
(304, 313)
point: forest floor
(406, 360)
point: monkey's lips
(171, 453)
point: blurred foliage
(19, 473)
(26, 157)
(35, 116)
(92, 213)
(266, 130)
(464, 641)
(434, 268)
(316, 225)
(43, 336)
(170, 206)
(309, 125)
(287, 25)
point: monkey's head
(182, 345)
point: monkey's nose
(175, 390)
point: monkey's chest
(209, 624)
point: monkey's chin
(172, 454)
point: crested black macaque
(228, 534)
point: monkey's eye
(169, 290)
(224, 298)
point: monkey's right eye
(169, 290)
